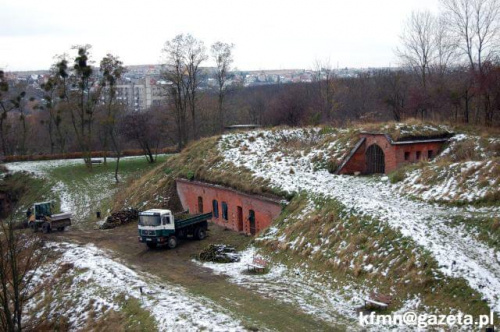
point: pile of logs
(120, 218)
(219, 253)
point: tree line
(449, 71)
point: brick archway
(375, 159)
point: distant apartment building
(141, 94)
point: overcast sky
(270, 34)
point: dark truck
(158, 226)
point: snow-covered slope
(98, 280)
(468, 170)
(458, 253)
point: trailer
(41, 216)
(161, 226)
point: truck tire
(151, 245)
(46, 228)
(200, 233)
(172, 242)
(60, 229)
(33, 226)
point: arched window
(224, 210)
(215, 208)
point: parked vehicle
(41, 216)
(159, 226)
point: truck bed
(192, 219)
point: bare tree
(183, 57)
(86, 99)
(445, 44)
(257, 107)
(475, 24)
(20, 256)
(223, 57)
(325, 87)
(9, 102)
(174, 72)
(55, 95)
(418, 49)
(195, 55)
(143, 128)
(111, 69)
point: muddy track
(175, 266)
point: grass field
(76, 189)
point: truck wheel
(172, 242)
(200, 233)
(151, 245)
(45, 228)
(32, 225)
(60, 229)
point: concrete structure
(378, 153)
(141, 94)
(233, 209)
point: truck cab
(161, 226)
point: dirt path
(175, 266)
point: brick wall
(394, 155)
(265, 209)
(412, 150)
(389, 150)
(357, 163)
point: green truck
(159, 226)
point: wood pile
(120, 218)
(219, 253)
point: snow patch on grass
(295, 287)
(458, 253)
(98, 280)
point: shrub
(398, 175)
(332, 165)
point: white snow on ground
(464, 181)
(80, 201)
(458, 253)
(98, 280)
(452, 186)
(298, 287)
(294, 287)
(41, 167)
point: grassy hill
(428, 234)
(359, 234)
(70, 184)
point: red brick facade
(201, 197)
(396, 154)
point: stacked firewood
(120, 218)
(219, 253)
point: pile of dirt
(219, 253)
(120, 218)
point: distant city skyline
(267, 35)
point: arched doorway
(375, 159)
